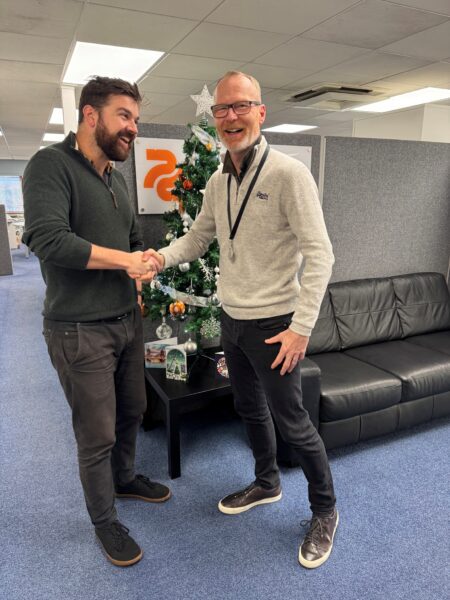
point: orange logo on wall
(168, 167)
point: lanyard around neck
(234, 228)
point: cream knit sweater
(282, 226)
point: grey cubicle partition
(5, 252)
(387, 206)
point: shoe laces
(144, 480)
(316, 529)
(120, 534)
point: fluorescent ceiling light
(57, 117)
(415, 98)
(289, 128)
(53, 137)
(108, 61)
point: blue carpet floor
(393, 496)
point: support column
(69, 108)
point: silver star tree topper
(204, 102)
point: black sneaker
(143, 489)
(318, 542)
(243, 500)
(119, 547)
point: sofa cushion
(423, 302)
(423, 372)
(439, 341)
(324, 336)
(365, 311)
(350, 387)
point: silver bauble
(190, 346)
(214, 299)
(216, 270)
(169, 236)
(207, 292)
(184, 267)
(164, 331)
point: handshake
(143, 266)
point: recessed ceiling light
(415, 98)
(53, 137)
(57, 117)
(88, 60)
(289, 128)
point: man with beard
(264, 208)
(80, 224)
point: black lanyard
(234, 228)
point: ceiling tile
(221, 41)
(48, 18)
(373, 24)
(309, 55)
(194, 9)
(171, 85)
(154, 103)
(11, 70)
(282, 16)
(433, 43)
(435, 75)
(438, 6)
(377, 65)
(131, 29)
(33, 49)
(181, 114)
(273, 76)
(326, 76)
(194, 67)
(290, 114)
(20, 92)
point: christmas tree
(188, 292)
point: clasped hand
(293, 348)
(144, 265)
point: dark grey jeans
(101, 369)
(261, 394)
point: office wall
(152, 225)
(387, 206)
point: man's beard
(110, 142)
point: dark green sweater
(68, 207)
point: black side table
(203, 387)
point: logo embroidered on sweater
(262, 196)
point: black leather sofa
(382, 347)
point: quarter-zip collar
(107, 178)
(228, 166)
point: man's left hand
(293, 348)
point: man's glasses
(239, 108)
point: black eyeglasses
(240, 108)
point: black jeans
(101, 369)
(261, 393)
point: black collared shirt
(228, 166)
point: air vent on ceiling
(330, 96)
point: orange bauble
(177, 308)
